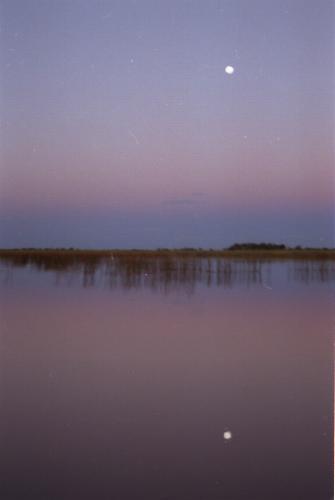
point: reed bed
(172, 268)
(55, 254)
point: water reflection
(312, 271)
(156, 396)
(166, 272)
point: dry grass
(75, 254)
(166, 269)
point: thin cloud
(198, 194)
(179, 201)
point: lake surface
(122, 380)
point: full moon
(227, 435)
(229, 70)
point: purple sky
(120, 127)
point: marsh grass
(166, 269)
(243, 251)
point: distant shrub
(257, 246)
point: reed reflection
(164, 272)
(310, 272)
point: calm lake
(157, 379)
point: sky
(120, 127)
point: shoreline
(258, 254)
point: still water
(182, 380)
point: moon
(227, 435)
(229, 70)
